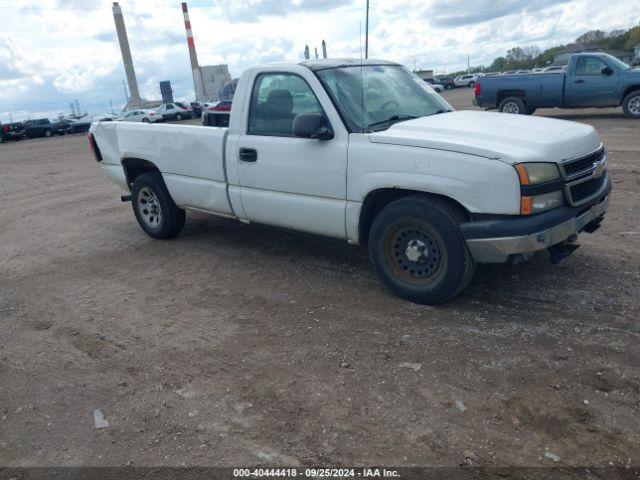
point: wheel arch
(134, 167)
(628, 90)
(378, 199)
(502, 94)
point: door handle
(578, 81)
(248, 154)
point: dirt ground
(242, 344)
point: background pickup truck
(591, 80)
(38, 128)
(369, 153)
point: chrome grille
(584, 176)
(586, 189)
(583, 166)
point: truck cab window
(589, 66)
(276, 99)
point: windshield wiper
(442, 110)
(391, 120)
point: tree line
(531, 57)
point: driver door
(590, 87)
(292, 182)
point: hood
(510, 138)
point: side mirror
(607, 71)
(311, 125)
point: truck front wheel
(154, 208)
(418, 251)
(512, 105)
(631, 105)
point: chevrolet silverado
(591, 80)
(367, 152)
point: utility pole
(366, 34)
(468, 65)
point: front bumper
(498, 241)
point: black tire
(165, 220)
(398, 238)
(513, 105)
(472, 84)
(48, 134)
(631, 105)
(448, 87)
(145, 120)
(178, 117)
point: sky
(56, 51)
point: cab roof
(327, 63)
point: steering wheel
(383, 107)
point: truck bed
(541, 89)
(190, 158)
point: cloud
(456, 13)
(253, 10)
(54, 51)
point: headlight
(536, 173)
(541, 203)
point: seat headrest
(280, 102)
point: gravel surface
(242, 344)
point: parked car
(41, 127)
(436, 86)
(174, 111)
(446, 82)
(555, 69)
(81, 125)
(198, 107)
(11, 131)
(222, 106)
(59, 127)
(217, 115)
(591, 80)
(429, 191)
(142, 115)
(537, 70)
(465, 80)
(523, 72)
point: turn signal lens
(526, 205)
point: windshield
(391, 94)
(617, 63)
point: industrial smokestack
(324, 49)
(198, 81)
(306, 52)
(316, 52)
(135, 100)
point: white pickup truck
(368, 152)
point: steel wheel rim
(414, 253)
(149, 208)
(634, 105)
(511, 107)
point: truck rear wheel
(631, 105)
(512, 105)
(418, 251)
(154, 208)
